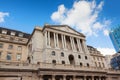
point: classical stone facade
(56, 52)
(97, 58)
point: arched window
(62, 54)
(71, 59)
(54, 61)
(53, 53)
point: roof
(26, 35)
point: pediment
(67, 29)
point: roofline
(49, 26)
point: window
(63, 62)
(4, 31)
(12, 33)
(86, 57)
(18, 57)
(20, 35)
(80, 64)
(62, 54)
(1, 45)
(53, 53)
(8, 56)
(10, 46)
(19, 48)
(88, 65)
(79, 56)
(54, 61)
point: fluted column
(55, 40)
(71, 42)
(62, 41)
(48, 38)
(74, 47)
(80, 44)
(84, 46)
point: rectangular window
(10, 47)
(18, 57)
(12, 33)
(19, 48)
(20, 35)
(1, 45)
(4, 31)
(8, 57)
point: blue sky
(91, 17)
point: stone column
(55, 40)
(40, 77)
(62, 41)
(85, 77)
(46, 39)
(53, 77)
(80, 45)
(92, 77)
(64, 77)
(74, 47)
(49, 38)
(84, 46)
(71, 42)
(74, 77)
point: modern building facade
(115, 61)
(56, 52)
(115, 37)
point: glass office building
(115, 61)
(115, 37)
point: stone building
(56, 52)
(13, 45)
(97, 58)
(108, 60)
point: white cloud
(83, 16)
(106, 32)
(2, 16)
(106, 51)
